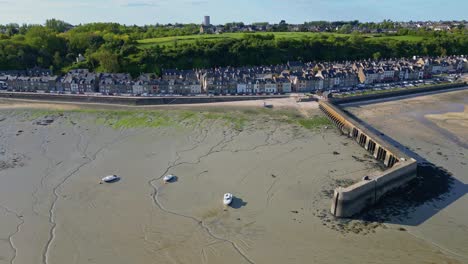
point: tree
(57, 60)
(376, 55)
(108, 62)
(57, 25)
(346, 29)
(282, 26)
(11, 29)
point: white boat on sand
(227, 199)
(267, 105)
(110, 178)
(168, 178)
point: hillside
(111, 47)
(173, 40)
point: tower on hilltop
(206, 21)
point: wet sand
(435, 130)
(53, 209)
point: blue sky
(142, 12)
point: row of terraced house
(285, 78)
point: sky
(141, 12)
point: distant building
(206, 21)
(206, 27)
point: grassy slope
(144, 43)
(400, 38)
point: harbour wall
(351, 200)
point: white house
(403, 74)
(388, 75)
(437, 68)
(258, 86)
(195, 88)
(270, 87)
(287, 87)
(3, 85)
(250, 87)
(74, 87)
(283, 85)
(241, 88)
(138, 88)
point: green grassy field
(214, 37)
(169, 41)
(401, 38)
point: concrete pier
(351, 200)
(373, 143)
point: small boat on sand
(227, 199)
(168, 178)
(267, 105)
(110, 178)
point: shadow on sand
(237, 203)
(430, 192)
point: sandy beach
(281, 172)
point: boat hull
(111, 178)
(227, 199)
(168, 178)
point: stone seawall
(133, 100)
(354, 199)
(351, 200)
(369, 140)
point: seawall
(351, 200)
(133, 100)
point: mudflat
(434, 129)
(280, 166)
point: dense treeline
(255, 50)
(111, 47)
